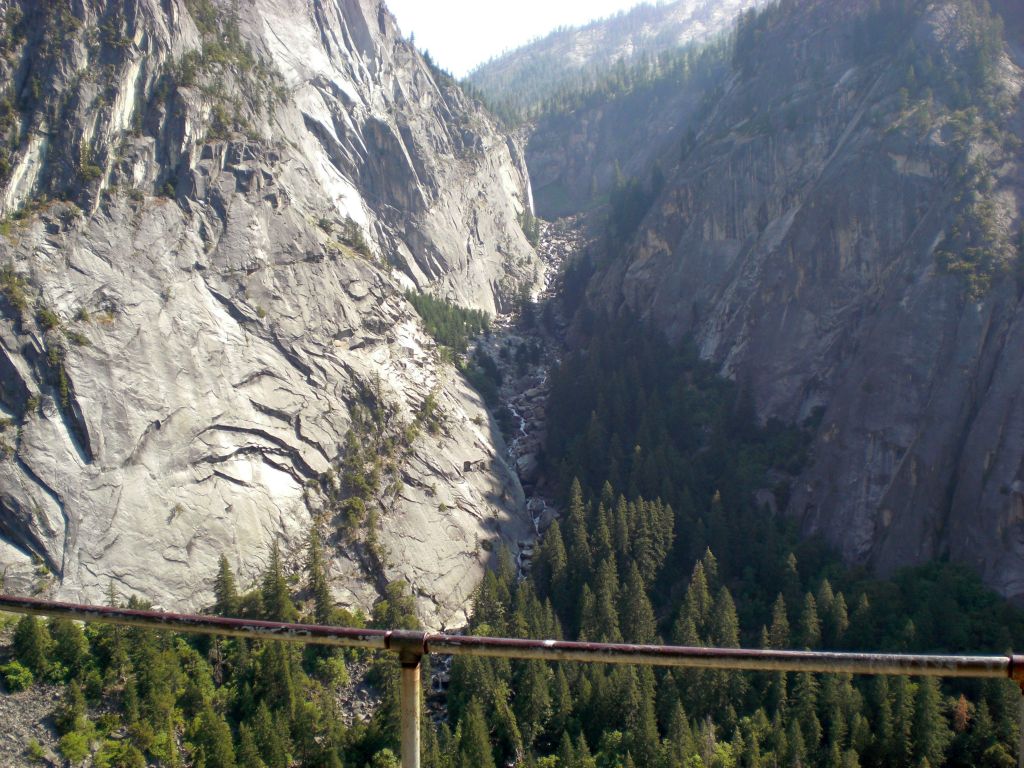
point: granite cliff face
(211, 216)
(844, 240)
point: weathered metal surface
(724, 658)
(410, 645)
(1020, 744)
(1017, 670)
(371, 639)
(410, 693)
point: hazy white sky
(463, 33)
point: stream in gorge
(525, 345)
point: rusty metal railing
(412, 646)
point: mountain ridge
(517, 83)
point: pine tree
(825, 597)
(791, 580)
(839, 621)
(805, 710)
(130, 701)
(778, 633)
(697, 604)
(710, 566)
(549, 569)
(901, 747)
(583, 756)
(638, 621)
(532, 702)
(590, 624)
(248, 753)
(666, 697)
(961, 714)
(435, 741)
(577, 542)
(982, 735)
(277, 601)
(70, 647)
(562, 702)
(397, 609)
(622, 531)
(276, 678)
(680, 744)
(213, 737)
(644, 728)
(825, 600)
(930, 731)
(225, 591)
(879, 707)
(70, 713)
(508, 739)
(170, 754)
(725, 624)
(663, 528)
(474, 746)
(726, 688)
(862, 624)
(271, 737)
(566, 752)
(1003, 697)
(797, 746)
(489, 607)
(323, 605)
(809, 633)
(32, 644)
(606, 595)
(601, 540)
(108, 645)
(754, 730)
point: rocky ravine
(525, 349)
(186, 333)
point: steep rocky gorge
(843, 240)
(211, 218)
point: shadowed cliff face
(844, 241)
(577, 158)
(211, 221)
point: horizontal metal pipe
(726, 658)
(411, 643)
(371, 639)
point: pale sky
(463, 33)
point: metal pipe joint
(1017, 671)
(410, 645)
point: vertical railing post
(411, 713)
(410, 646)
(1017, 674)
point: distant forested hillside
(520, 84)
